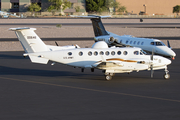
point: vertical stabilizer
(30, 40)
(98, 27)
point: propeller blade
(56, 43)
(152, 72)
(168, 44)
(152, 54)
(151, 63)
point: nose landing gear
(109, 76)
(166, 75)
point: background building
(150, 7)
(22, 5)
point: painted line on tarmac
(94, 90)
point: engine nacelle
(111, 40)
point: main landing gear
(166, 75)
(109, 76)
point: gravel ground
(54, 32)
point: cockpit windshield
(142, 52)
(158, 43)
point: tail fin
(98, 27)
(30, 40)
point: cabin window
(136, 52)
(112, 53)
(89, 53)
(134, 42)
(138, 43)
(119, 52)
(120, 41)
(107, 53)
(152, 43)
(125, 52)
(80, 53)
(142, 43)
(127, 41)
(69, 53)
(95, 53)
(101, 53)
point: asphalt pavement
(129, 25)
(30, 91)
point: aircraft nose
(166, 61)
(170, 52)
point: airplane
(110, 60)
(6, 14)
(112, 39)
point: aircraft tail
(97, 24)
(31, 44)
(98, 27)
(30, 40)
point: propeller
(151, 63)
(56, 43)
(168, 44)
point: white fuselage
(146, 44)
(122, 59)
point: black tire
(108, 77)
(166, 76)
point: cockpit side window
(159, 44)
(136, 52)
(152, 43)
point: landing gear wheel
(108, 77)
(166, 76)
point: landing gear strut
(166, 75)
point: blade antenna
(168, 44)
(56, 43)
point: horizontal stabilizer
(91, 16)
(36, 59)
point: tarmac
(31, 91)
(43, 92)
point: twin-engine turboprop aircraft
(110, 60)
(148, 45)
